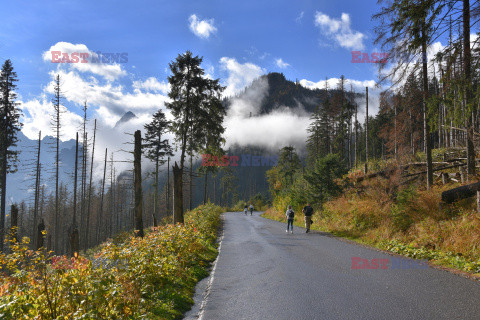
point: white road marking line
(210, 281)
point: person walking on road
(308, 212)
(245, 209)
(290, 214)
(251, 209)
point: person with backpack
(290, 214)
(308, 212)
(245, 209)
(251, 209)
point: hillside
(285, 93)
(280, 93)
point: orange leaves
(4, 288)
(132, 278)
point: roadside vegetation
(404, 218)
(130, 278)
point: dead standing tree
(87, 227)
(74, 234)
(137, 166)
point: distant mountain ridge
(280, 93)
(285, 93)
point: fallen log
(460, 193)
(421, 164)
(437, 169)
(382, 173)
(459, 129)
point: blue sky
(154, 32)
(239, 40)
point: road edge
(203, 287)
(456, 272)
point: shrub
(139, 278)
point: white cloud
(281, 64)
(358, 86)
(332, 83)
(112, 96)
(106, 102)
(340, 31)
(273, 131)
(399, 67)
(38, 114)
(244, 125)
(151, 84)
(299, 18)
(201, 28)
(92, 60)
(239, 74)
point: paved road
(264, 273)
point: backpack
(291, 214)
(308, 211)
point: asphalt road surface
(264, 273)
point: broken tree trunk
(40, 235)
(460, 193)
(138, 184)
(478, 200)
(14, 221)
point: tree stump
(445, 178)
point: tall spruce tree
(198, 112)
(288, 163)
(9, 127)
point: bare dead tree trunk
(37, 190)
(74, 236)
(395, 128)
(356, 135)
(87, 227)
(14, 221)
(100, 224)
(40, 237)
(155, 196)
(190, 182)
(426, 128)
(177, 194)
(83, 192)
(366, 131)
(467, 58)
(168, 185)
(138, 184)
(57, 164)
(112, 197)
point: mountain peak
(125, 118)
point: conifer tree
(9, 127)
(198, 112)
